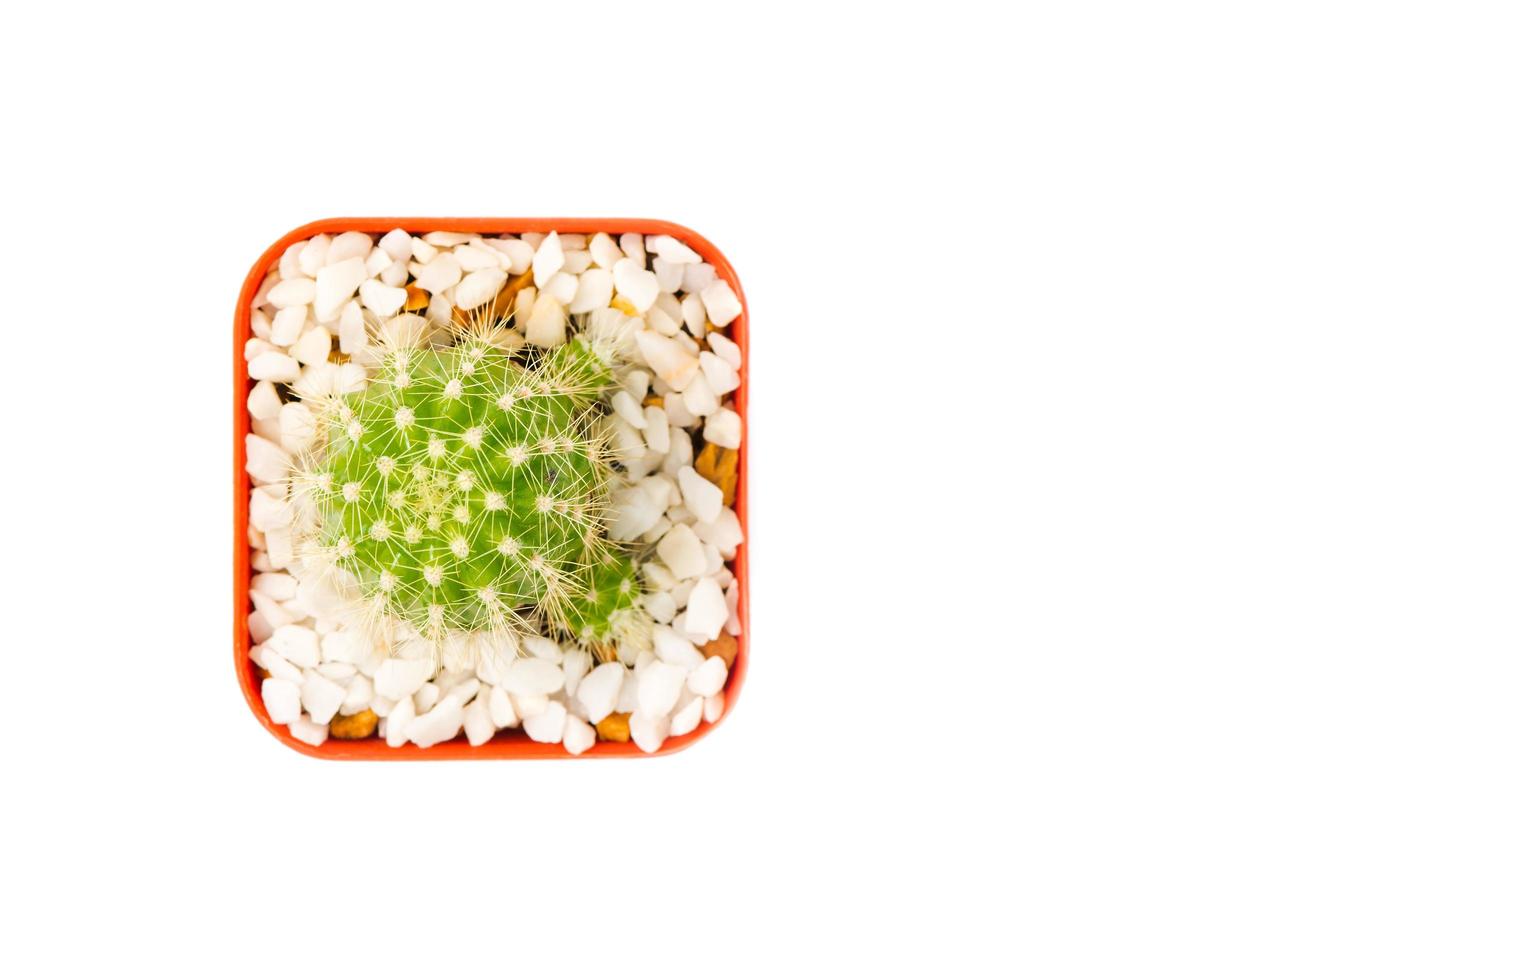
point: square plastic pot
(505, 744)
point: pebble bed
(671, 423)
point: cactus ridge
(465, 491)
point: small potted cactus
(441, 500)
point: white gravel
(322, 300)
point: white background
(1146, 512)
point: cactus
(466, 492)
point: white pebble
(377, 262)
(627, 701)
(439, 274)
(360, 694)
(624, 403)
(722, 306)
(321, 698)
(714, 706)
(473, 258)
(635, 283)
(288, 324)
(439, 725)
(270, 661)
(352, 336)
(656, 429)
(478, 288)
(280, 547)
(694, 313)
(446, 239)
(670, 249)
(426, 697)
(335, 285)
(266, 461)
(397, 244)
(678, 414)
(313, 255)
(256, 347)
(528, 706)
(281, 699)
(462, 691)
(724, 347)
(687, 719)
(261, 325)
(681, 551)
(479, 727)
(594, 289)
(658, 687)
(706, 612)
(600, 690)
(660, 606)
(288, 263)
(269, 509)
(658, 319)
(547, 326)
(672, 647)
(399, 677)
(604, 251)
(500, 708)
(296, 426)
(299, 645)
(724, 428)
(274, 584)
(394, 275)
(701, 496)
(549, 725)
(307, 731)
(262, 402)
(339, 672)
(669, 360)
(634, 510)
(648, 732)
(531, 676)
(273, 613)
(699, 399)
(724, 534)
(313, 346)
(382, 300)
(398, 721)
(670, 276)
(577, 736)
(543, 647)
(637, 383)
(719, 375)
(563, 286)
(519, 254)
(422, 251)
(548, 259)
(707, 679)
(631, 244)
(348, 647)
(292, 292)
(697, 277)
(348, 245)
(273, 366)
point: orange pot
(505, 744)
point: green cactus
(466, 492)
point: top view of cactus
(494, 487)
(466, 492)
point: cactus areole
(465, 491)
